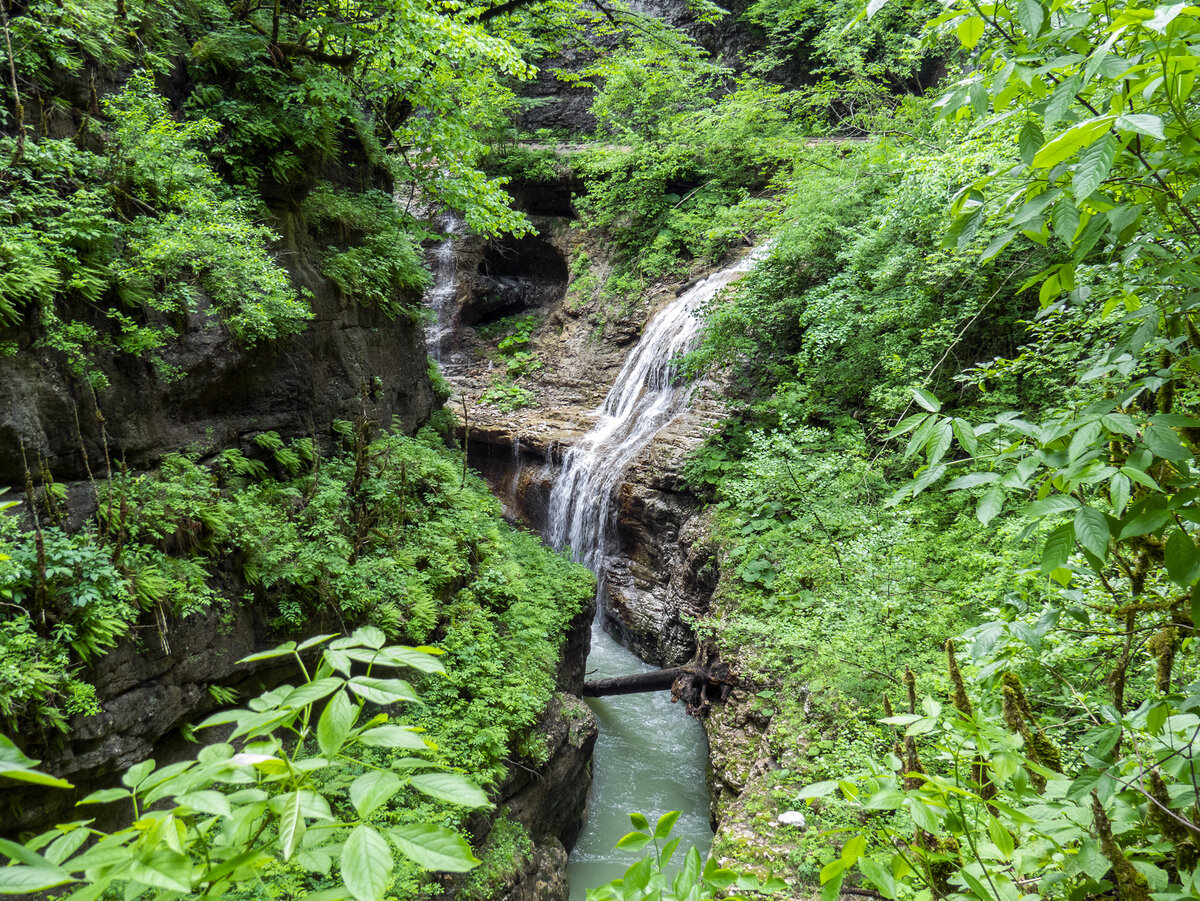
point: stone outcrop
(147, 687)
(350, 360)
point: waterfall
(644, 399)
(440, 297)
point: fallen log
(697, 684)
(655, 680)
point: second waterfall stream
(650, 756)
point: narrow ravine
(651, 757)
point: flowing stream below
(651, 757)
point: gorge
(380, 379)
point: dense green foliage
(1053, 751)
(148, 206)
(989, 693)
(147, 224)
(386, 532)
(188, 836)
(391, 532)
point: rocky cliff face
(350, 360)
(148, 687)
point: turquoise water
(651, 757)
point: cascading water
(650, 756)
(441, 295)
(642, 401)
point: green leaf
(1164, 16)
(284, 650)
(15, 765)
(886, 799)
(880, 875)
(1093, 167)
(965, 434)
(1057, 549)
(1118, 492)
(207, 801)
(314, 641)
(639, 820)
(310, 692)
(633, 841)
(1164, 442)
(371, 636)
(164, 869)
(1181, 558)
(816, 790)
(420, 659)
(1065, 217)
(665, 824)
(926, 400)
(1142, 123)
(923, 814)
(22, 879)
(434, 847)
(382, 691)
(1000, 837)
(451, 787)
(990, 505)
(372, 789)
(973, 480)
(939, 441)
(1055, 503)
(1144, 524)
(969, 31)
(1074, 139)
(1030, 15)
(291, 825)
(1030, 141)
(637, 877)
(927, 477)
(105, 795)
(133, 776)
(335, 724)
(834, 869)
(366, 864)
(853, 849)
(393, 736)
(1091, 531)
(907, 424)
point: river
(651, 757)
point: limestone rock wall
(350, 359)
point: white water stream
(441, 295)
(643, 400)
(651, 757)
